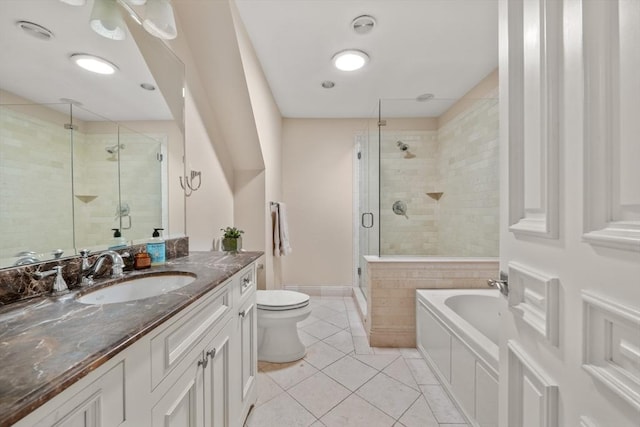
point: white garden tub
(457, 332)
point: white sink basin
(139, 288)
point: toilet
(278, 314)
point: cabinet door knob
(242, 313)
(211, 353)
(204, 362)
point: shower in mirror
(405, 148)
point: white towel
(281, 245)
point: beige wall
(317, 156)
(255, 189)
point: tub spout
(502, 284)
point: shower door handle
(362, 220)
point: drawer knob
(204, 362)
(211, 353)
(242, 313)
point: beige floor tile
(386, 350)
(350, 372)
(318, 394)
(339, 319)
(307, 339)
(321, 329)
(336, 304)
(361, 345)
(318, 424)
(410, 353)
(419, 415)
(377, 361)
(323, 312)
(342, 341)
(399, 370)
(422, 372)
(322, 355)
(267, 388)
(280, 411)
(357, 330)
(388, 395)
(356, 412)
(287, 375)
(441, 405)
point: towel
(281, 245)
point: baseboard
(322, 290)
(392, 338)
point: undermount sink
(137, 288)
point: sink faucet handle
(59, 285)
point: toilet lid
(281, 300)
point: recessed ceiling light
(328, 84)
(35, 30)
(424, 97)
(93, 63)
(350, 60)
(363, 24)
(147, 86)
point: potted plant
(232, 239)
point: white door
(570, 232)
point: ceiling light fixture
(350, 60)
(93, 63)
(35, 30)
(147, 86)
(74, 2)
(159, 20)
(328, 84)
(106, 20)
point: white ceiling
(41, 71)
(442, 47)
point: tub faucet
(89, 271)
(502, 284)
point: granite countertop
(49, 343)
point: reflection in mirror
(36, 215)
(66, 189)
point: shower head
(402, 146)
(113, 149)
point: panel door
(217, 380)
(570, 231)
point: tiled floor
(344, 382)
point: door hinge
(159, 156)
(359, 271)
(359, 155)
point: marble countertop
(49, 343)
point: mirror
(81, 154)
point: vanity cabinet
(197, 369)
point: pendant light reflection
(106, 20)
(159, 20)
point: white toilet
(278, 315)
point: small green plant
(231, 232)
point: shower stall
(427, 174)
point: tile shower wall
(460, 160)
(469, 170)
(35, 160)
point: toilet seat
(279, 300)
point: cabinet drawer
(247, 281)
(172, 344)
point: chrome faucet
(502, 284)
(59, 285)
(88, 271)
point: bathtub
(457, 332)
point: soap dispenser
(119, 242)
(156, 248)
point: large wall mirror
(81, 153)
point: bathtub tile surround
(351, 385)
(390, 319)
(17, 283)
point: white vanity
(196, 368)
